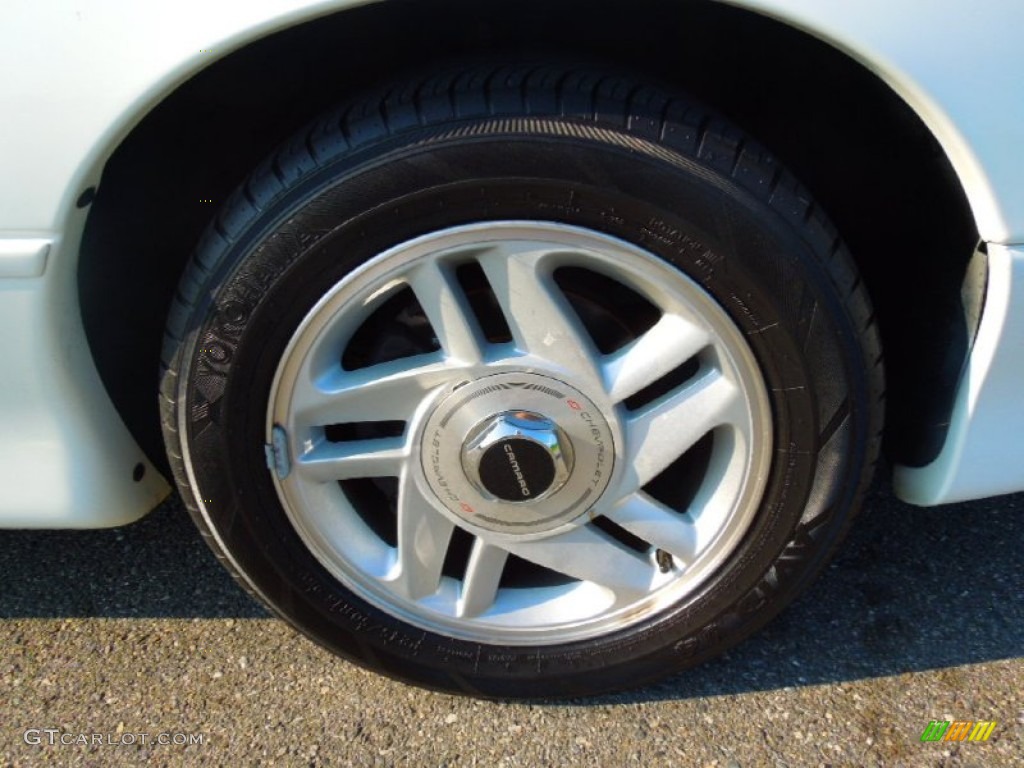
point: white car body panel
(982, 453)
(66, 458)
(78, 76)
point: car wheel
(522, 383)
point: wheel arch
(163, 180)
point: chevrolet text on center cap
(522, 471)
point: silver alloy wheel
(553, 374)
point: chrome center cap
(517, 456)
(518, 453)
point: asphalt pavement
(132, 645)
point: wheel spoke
(483, 574)
(670, 343)
(542, 321)
(587, 554)
(658, 525)
(448, 311)
(666, 429)
(423, 538)
(384, 392)
(327, 462)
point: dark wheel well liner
(863, 153)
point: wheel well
(861, 150)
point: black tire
(552, 144)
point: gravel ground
(109, 635)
